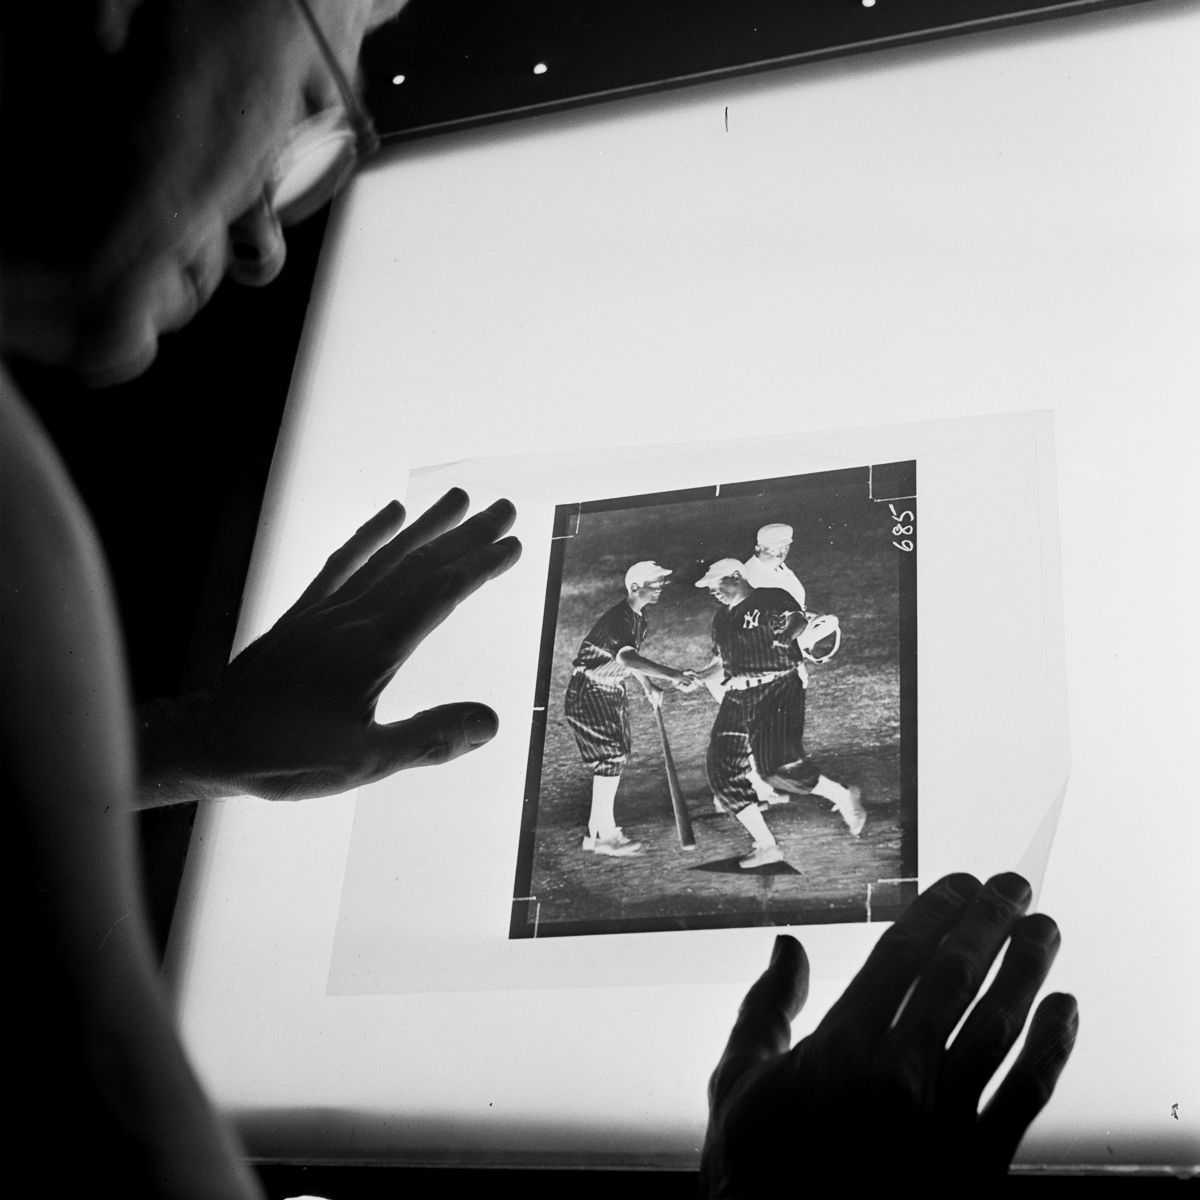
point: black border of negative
(886, 483)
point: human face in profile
(651, 591)
(730, 590)
(773, 554)
(190, 104)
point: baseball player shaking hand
(595, 702)
(757, 659)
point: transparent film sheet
(942, 704)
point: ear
(113, 18)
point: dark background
(173, 466)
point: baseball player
(595, 703)
(762, 708)
(767, 567)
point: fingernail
(481, 726)
(778, 950)
(962, 887)
(1012, 887)
(1042, 928)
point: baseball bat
(683, 822)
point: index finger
(442, 551)
(351, 555)
(411, 611)
(956, 970)
(763, 1028)
(875, 993)
(434, 522)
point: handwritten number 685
(905, 523)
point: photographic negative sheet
(474, 875)
(780, 791)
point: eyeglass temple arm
(364, 129)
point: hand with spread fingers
(878, 1090)
(293, 716)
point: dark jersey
(619, 627)
(743, 635)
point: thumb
(434, 736)
(763, 1028)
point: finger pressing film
(994, 1024)
(409, 611)
(763, 1027)
(350, 556)
(954, 973)
(1028, 1086)
(434, 736)
(448, 547)
(875, 993)
(441, 516)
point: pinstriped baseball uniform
(595, 698)
(766, 717)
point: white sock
(835, 793)
(762, 789)
(756, 827)
(602, 821)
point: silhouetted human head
(140, 140)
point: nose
(256, 247)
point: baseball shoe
(852, 812)
(613, 845)
(773, 798)
(761, 856)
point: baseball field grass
(845, 556)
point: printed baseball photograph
(724, 730)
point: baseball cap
(644, 572)
(775, 534)
(721, 569)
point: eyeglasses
(323, 151)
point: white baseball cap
(775, 534)
(644, 572)
(721, 569)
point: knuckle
(1030, 1090)
(995, 909)
(450, 581)
(996, 1029)
(957, 970)
(898, 1074)
(418, 560)
(717, 1083)
(904, 941)
(440, 747)
(437, 752)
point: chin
(93, 363)
(110, 371)
(116, 340)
